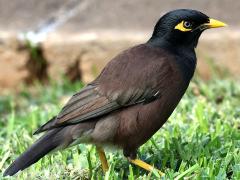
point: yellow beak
(213, 23)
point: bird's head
(182, 27)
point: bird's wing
(90, 103)
(112, 90)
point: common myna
(133, 96)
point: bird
(132, 97)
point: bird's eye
(187, 24)
(184, 26)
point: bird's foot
(145, 166)
(103, 158)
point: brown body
(130, 127)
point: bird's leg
(103, 158)
(144, 165)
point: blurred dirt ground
(81, 46)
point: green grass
(201, 140)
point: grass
(201, 140)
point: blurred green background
(50, 49)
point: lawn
(201, 140)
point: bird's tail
(48, 142)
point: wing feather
(114, 89)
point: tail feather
(40, 148)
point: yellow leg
(144, 165)
(103, 158)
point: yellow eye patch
(184, 26)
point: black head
(182, 28)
